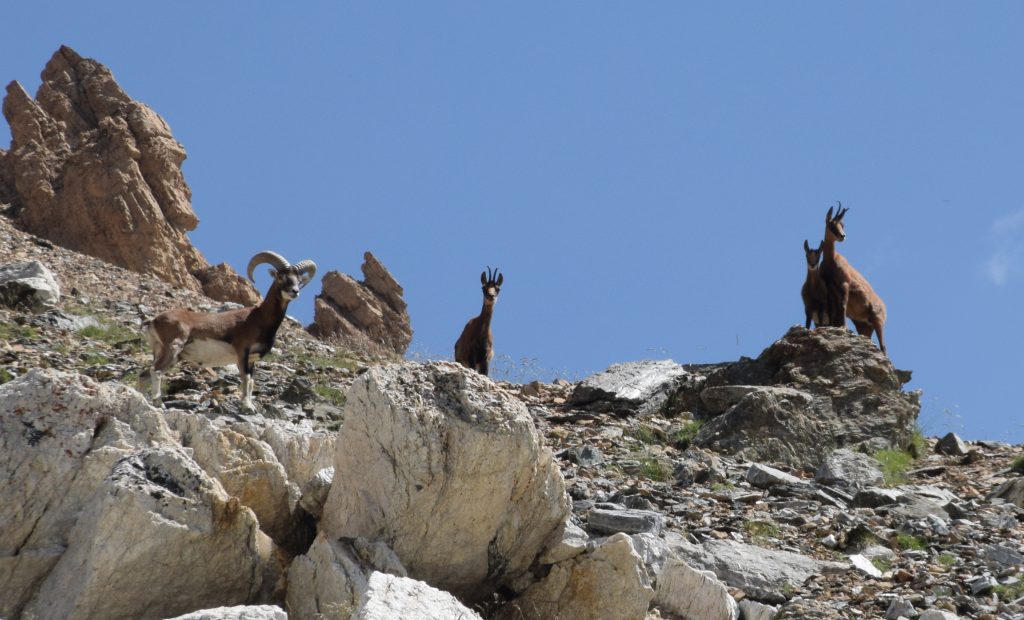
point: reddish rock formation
(95, 171)
(368, 316)
(223, 283)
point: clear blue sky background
(643, 173)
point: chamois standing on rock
(849, 294)
(814, 292)
(239, 336)
(475, 347)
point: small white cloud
(1008, 251)
(1008, 223)
(997, 268)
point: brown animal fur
(475, 347)
(849, 293)
(814, 291)
(233, 337)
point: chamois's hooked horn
(307, 269)
(271, 258)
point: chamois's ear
(501, 278)
(828, 216)
(483, 278)
(807, 247)
(820, 243)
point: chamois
(239, 336)
(814, 292)
(475, 347)
(849, 293)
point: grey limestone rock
(629, 388)
(28, 286)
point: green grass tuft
(908, 542)
(683, 437)
(6, 375)
(653, 469)
(761, 530)
(13, 331)
(895, 464)
(331, 394)
(112, 333)
(918, 443)
(94, 359)
(946, 559)
(644, 434)
(1018, 464)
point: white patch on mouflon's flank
(209, 353)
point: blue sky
(644, 174)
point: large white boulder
(358, 579)
(248, 469)
(158, 538)
(693, 594)
(60, 436)
(608, 582)
(442, 465)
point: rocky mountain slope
(788, 486)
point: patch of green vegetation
(130, 378)
(340, 359)
(861, 537)
(882, 564)
(946, 559)
(683, 437)
(895, 464)
(653, 469)
(908, 542)
(1009, 592)
(331, 394)
(644, 434)
(6, 375)
(1018, 464)
(111, 333)
(918, 444)
(761, 530)
(13, 331)
(94, 359)
(719, 487)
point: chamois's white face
(813, 256)
(835, 224)
(490, 285)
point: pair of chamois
(834, 290)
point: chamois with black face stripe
(849, 294)
(814, 292)
(475, 347)
(221, 338)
